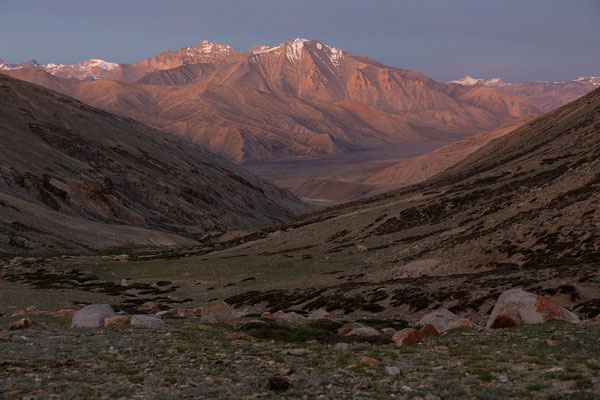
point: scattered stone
(285, 372)
(16, 261)
(298, 352)
(149, 306)
(503, 379)
(361, 248)
(313, 342)
(23, 323)
(293, 317)
(430, 396)
(278, 313)
(28, 311)
(319, 314)
(240, 336)
(364, 332)
(389, 331)
(358, 329)
(409, 336)
(267, 315)
(121, 257)
(369, 361)
(218, 313)
(161, 314)
(147, 321)
(92, 316)
(346, 328)
(407, 388)
(444, 321)
(117, 320)
(68, 311)
(549, 342)
(516, 307)
(277, 382)
(341, 347)
(125, 283)
(187, 312)
(392, 371)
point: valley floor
(199, 361)
(302, 177)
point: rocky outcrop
(218, 313)
(92, 316)
(409, 336)
(516, 307)
(445, 321)
(359, 330)
(147, 321)
(293, 317)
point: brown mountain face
(239, 123)
(501, 218)
(73, 177)
(545, 95)
(309, 69)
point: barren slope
(520, 212)
(418, 169)
(65, 165)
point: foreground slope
(521, 211)
(67, 168)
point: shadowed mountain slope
(418, 169)
(63, 159)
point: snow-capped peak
(97, 63)
(293, 50)
(594, 80)
(467, 81)
(470, 81)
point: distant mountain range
(545, 95)
(300, 99)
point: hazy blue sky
(445, 39)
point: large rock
(28, 311)
(149, 306)
(23, 323)
(293, 317)
(409, 336)
(445, 321)
(319, 314)
(147, 321)
(92, 316)
(218, 313)
(69, 311)
(515, 307)
(358, 330)
(117, 320)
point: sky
(518, 40)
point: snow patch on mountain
(470, 81)
(265, 49)
(293, 50)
